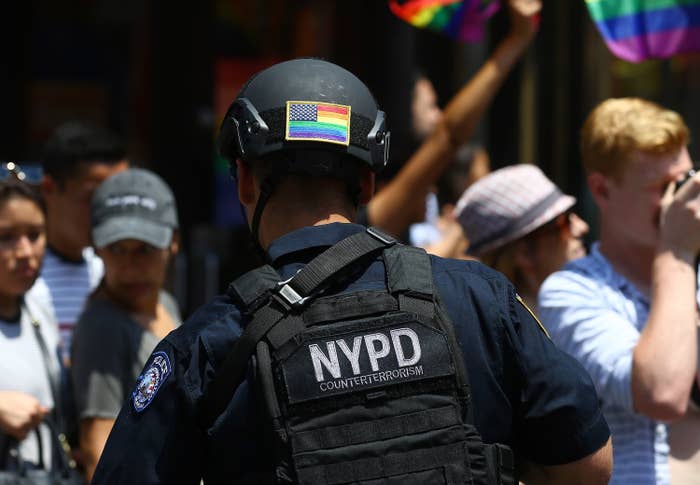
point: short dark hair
(77, 142)
(12, 188)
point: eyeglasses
(31, 174)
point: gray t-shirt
(22, 368)
(108, 353)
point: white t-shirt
(64, 286)
(22, 367)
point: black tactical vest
(366, 387)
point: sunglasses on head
(30, 174)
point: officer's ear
(367, 184)
(247, 192)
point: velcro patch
(366, 359)
(316, 121)
(150, 381)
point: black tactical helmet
(311, 117)
(304, 106)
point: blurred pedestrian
(29, 341)
(135, 232)
(628, 311)
(441, 234)
(77, 158)
(520, 223)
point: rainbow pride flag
(636, 30)
(460, 19)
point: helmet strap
(267, 188)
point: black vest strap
(410, 279)
(290, 295)
(335, 259)
(376, 468)
(233, 369)
(379, 429)
(251, 286)
(408, 270)
(500, 462)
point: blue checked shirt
(596, 315)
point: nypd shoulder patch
(150, 381)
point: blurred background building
(162, 74)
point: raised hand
(524, 18)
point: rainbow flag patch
(316, 121)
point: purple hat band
(475, 247)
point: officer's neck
(299, 202)
(289, 210)
(273, 230)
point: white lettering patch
(356, 361)
(131, 200)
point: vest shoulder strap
(410, 279)
(250, 287)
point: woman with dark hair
(29, 364)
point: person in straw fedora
(520, 223)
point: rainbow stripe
(636, 30)
(460, 19)
(315, 121)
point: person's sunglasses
(559, 224)
(30, 174)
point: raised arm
(665, 359)
(393, 207)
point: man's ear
(175, 243)
(599, 185)
(367, 185)
(48, 186)
(247, 193)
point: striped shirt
(66, 286)
(597, 316)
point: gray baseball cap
(133, 204)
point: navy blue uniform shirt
(526, 393)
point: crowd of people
(581, 366)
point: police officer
(306, 138)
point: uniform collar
(310, 237)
